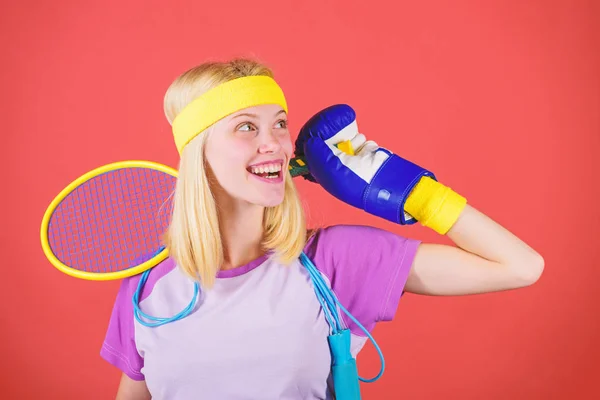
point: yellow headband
(222, 101)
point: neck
(241, 229)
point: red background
(500, 100)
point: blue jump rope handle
(344, 370)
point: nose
(269, 143)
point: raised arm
(486, 258)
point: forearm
(447, 212)
(477, 233)
(487, 257)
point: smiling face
(249, 152)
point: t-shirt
(260, 332)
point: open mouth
(267, 171)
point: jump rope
(107, 224)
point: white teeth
(266, 168)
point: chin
(266, 195)
(267, 199)
(271, 202)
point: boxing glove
(373, 179)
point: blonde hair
(193, 237)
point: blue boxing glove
(373, 179)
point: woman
(257, 330)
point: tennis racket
(107, 224)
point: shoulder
(156, 274)
(123, 306)
(119, 347)
(354, 236)
(367, 268)
(335, 245)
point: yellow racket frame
(70, 188)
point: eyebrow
(253, 115)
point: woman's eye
(246, 127)
(281, 124)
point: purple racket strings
(113, 221)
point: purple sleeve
(367, 267)
(119, 346)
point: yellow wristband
(434, 205)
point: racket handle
(298, 164)
(298, 167)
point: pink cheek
(238, 151)
(287, 146)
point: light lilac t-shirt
(259, 333)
